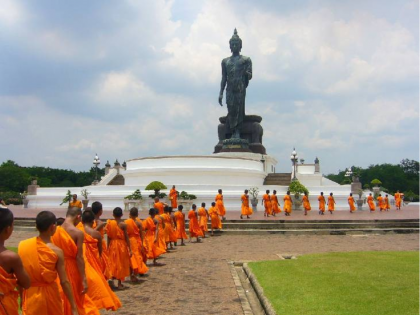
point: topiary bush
(185, 196)
(156, 186)
(297, 188)
(376, 182)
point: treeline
(14, 179)
(403, 177)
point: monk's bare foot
(241, 217)
(134, 279)
(248, 217)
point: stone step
(279, 179)
(321, 231)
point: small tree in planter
(85, 194)
(186, 199)
(157, 187)
(135, 198)
(67, 198)
(253, 191)
(297, 189)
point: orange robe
(331, 203)
(245, 209)
(161, 233)
(219, 204)
(267, 204)
(381, 203)
(180, 225)
(76, 203)
(306, 204)
(351, 203)
(152, 249)
(136, 260)
(195, 230)
(216, 223)
(8, 283)
(275, 204)
(159, 206)
(371, 203)
(202, 214)
(321, 200)
(287, 204)
(172, 233)
(387, 206)
(83, 302)
(144, 252)
(173, 197)
(39, 261)
(119, 257)
(105, 264)
(397, 197)
(168, 224)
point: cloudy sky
(126, 79)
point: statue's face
(235, 46)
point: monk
(387, 205)
(397, 197)
(75, 203)
(159, 205)
(321, 202)
(150, 225)
(180, 225)
(161, 231)
(381, 203)
(135, 235)
(99, 226)
(203, 218)
(44, 262)
(306, 203)
(167, 220)
(267, 203)
(245, 209)
(216, 223)
(371, 203)
(220, 205)
(350, 201)
(119, 247)
(275, 205)
(70, 240)
(173, 236)
(12, 272)
(287, 204)
(173, 197)
(195, 230)
(331, 203)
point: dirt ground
(196, 279)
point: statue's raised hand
(220, 99)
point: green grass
(356, 283)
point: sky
(337, 80)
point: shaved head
(73, 212)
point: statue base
(235, 145)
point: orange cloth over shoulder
(160, 206)
(39, 261)
(306, 204)
(173, 196)
(397, 197)
(267, 204)
(105, 264)
(219, 204)
(331, 203)
(152, 248)
(83, 302)
(136, 260)
(287, 203)
(275, 204)
(202, 214)
(119, 257)
(195, 230)
(8, 283)
(167, 231)
(321, 200)
(381, 203)
(76, 203)
(245, 209)
(371, 203)
(387, 205)
(180, 225)
(216, 223)
(161, 232)
(350, 200)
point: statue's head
(235, 42)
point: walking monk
(350, 201)
(387, 205)
(75, 203)
(397, 197)
(70, 240)
(159, 205)
(216, 223)
(44, 261)
(12, 273)
(371, 203)
(331, 203)
(195, 230)
(203, 217)
(267, 203)
(99, 226)
(275, 205)
(245, 209)
(220, 205)
(150, 225)
(169, 228)
(287, 204)
(321, 202)
(306, 203)
(173, 197)
(118, 247)
(180, 225)
(135, 235)
(381, 203)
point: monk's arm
(80, 260)
(22, 276)
(96, 235)
(127, 240)
(100, 226)
(140, 226)
(64, 281)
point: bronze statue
(236, 73)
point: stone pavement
(196, 278)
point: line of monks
(70, 269)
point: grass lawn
(355, 283)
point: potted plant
(186, 199)
(133, 200)
(85, 195)
(297, 189)
(67, 198)
(359, 201)
(25, 201)
(156, 186)
(253, 191)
